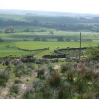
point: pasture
(25, 40)
(52, 45)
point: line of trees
(57, 26)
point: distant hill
(47, 13)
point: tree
(43, 39)
(75, 40)
(92, 52)
(1, 40)
(51, 33)
(26, 30)
(36, 39)
(60, 39)
(88, 40)
(68, 40)
(9, 29)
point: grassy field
(65, 34)
(7, 48)
(11, 41)
(52, 45)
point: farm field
(25, 41)
(52, 45)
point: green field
(24, 40)
(52, 45)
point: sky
(76, 6)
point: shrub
(60, 93)
(64, 68)
(6, 63)
(50, 68)
(43, 39)
(45, 92)
(18, 82)
(86, 96)
(97, 95)
(54, 80)
(26, 30)
(65, 91)
(87, 76)
(9, 29)
(68, 40)
(70, 76)
(81, 96)
(18, 71)
(4, 76)
(60, 39)
(29, 94)
(1, 40)
(2, 82)
(80, 86)
(36, 39)
(92, 52)
(40, 72)
(14, 89)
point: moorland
(50, 56)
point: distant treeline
(58, 23)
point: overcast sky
(79, 6)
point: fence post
(80, 47)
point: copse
(92, 52)
(60, 39)
(26, 30)
(9, 29)
(43, 39)
(36, 39)
(51, 33)
(1, 40)
(68, 40)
